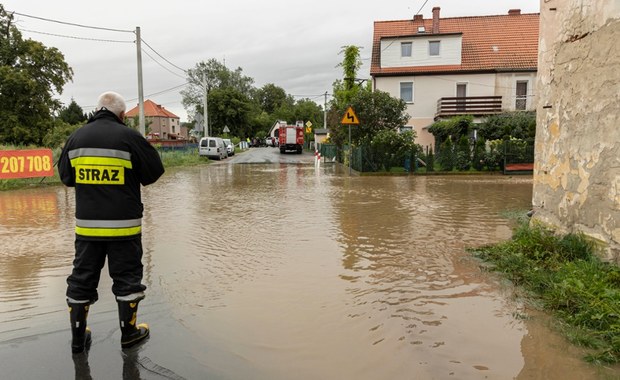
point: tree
(30, 75)
(286, 110)
(270, 97)
(229, 108)
(463, 153)
(376, 111)
(72, 114)
(217, 76)
(346, 89)
(478, 154)
(447, 156)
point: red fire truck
(291, 138)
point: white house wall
(428, 89)
(506, 87)
(449, 51)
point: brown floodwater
(287, 272)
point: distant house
(274, 131)
(443, 67)
(161, 123)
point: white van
(212, 147)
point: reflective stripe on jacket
(108, 228)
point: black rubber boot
(132, 333)
(78, 312)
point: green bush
(494, 155)
(477, 160)
(446, 157)
(570, 281)
(463, 154)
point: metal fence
(366, 159)
(518, 156)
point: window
(406, 91)
(521, 101)
(406, 128)
(433, 48)
(405, 49)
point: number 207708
(26, 163)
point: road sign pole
(350, 118)
(350, 150)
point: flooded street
(286, 271)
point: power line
(162, 57)
(72, 24)
(147, 95)
(308, 96)
(75, 37)
(160, 92)
(162, 66)
(418, 12)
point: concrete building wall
(577, 168)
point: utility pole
(140, 86)
(325, 112)
(204, 106)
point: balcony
(468, 105)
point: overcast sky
(293, 44)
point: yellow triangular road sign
(350, 117)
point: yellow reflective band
(108, 232)
(99, 175)
(104, 161)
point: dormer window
(433, 48)
(421, 29)
(405, 49)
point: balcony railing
(469, 105)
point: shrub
(463, 154)
(446, 156)
(573, 284)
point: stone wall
(577, 168)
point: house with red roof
(160, 123)
(445, 67)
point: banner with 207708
(26, 163)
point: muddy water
(287, 272)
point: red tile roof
(514, 36)
(151, 109)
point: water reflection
(403, 245)
(289, 271)
(33, 245)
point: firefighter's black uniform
(106, 162)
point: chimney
(436, 20)
(417, 18)
(514, 12)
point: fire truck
(291, 138)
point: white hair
(111, 101)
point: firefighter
(106, 162)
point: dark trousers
(124, 265)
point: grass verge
(564, 276)
(170, 158)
